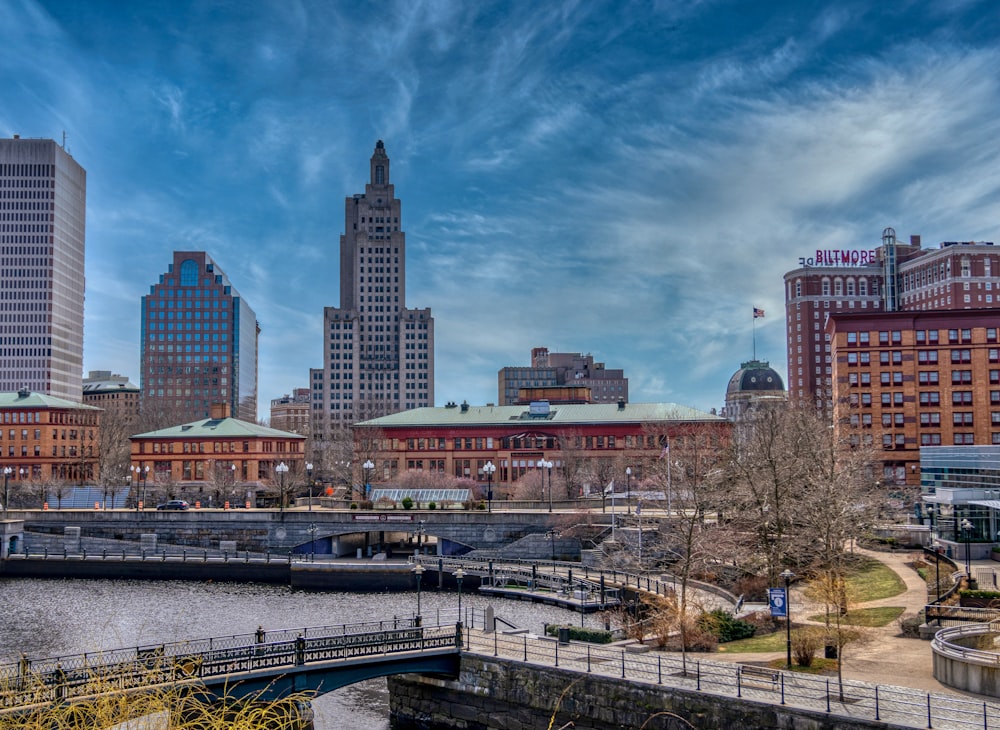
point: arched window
(965, 266)
(826, 287)
(850, 287)
(838, 287)
(379, 174)
(863, 287)
(189, 272)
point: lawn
(873, 580)
(882, 616)
(761, 643)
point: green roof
(218, 428)
(558, 413)
(29, 399)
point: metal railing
(861, 700)
(942, 643)
(31, 681)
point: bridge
(264, 666)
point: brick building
(45, 439)
(292, 413)
(218, 455)
(561, 369)
(893, 277)
(459, 440)
(913, 379)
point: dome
(755, 376)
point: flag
(666, 450)
(610, 488)
(758, 312)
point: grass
(761, 643)
(873, 580)
(881, 616)
(818, 666)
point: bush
(763, 621)
(432, 505)
(354, 505)
(806, 642)
(407, 502)
(579, 633)
(751, 587)
(696, 638)
(724, 627)
(910, 623)
(979, 594)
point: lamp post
(133, 483)
(543, 464)
(788, 575)
(488, 469)
(312, 544)
(281, 469)
(628, 488)
(418, 572)
(309, 474)
(140, 473)
(367, 466)
(459, 574)
(552, 535)
(7, 471)
(967, 530)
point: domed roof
(755, 376)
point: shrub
(432, 505)
(910, 623)
(407, 502)
(751, 587)
(763, 621)
(579, 633)
(805, 643)
(724, 627)
(354, 505)
(979, 594)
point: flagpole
(755, 335)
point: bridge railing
(900, 706)
(39, 680)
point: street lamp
(418, 572)
(967, 530)
(552, 535)
(628, 488)
(788, 575)
(140, 473)
(368, 466)
(312, 545)
(543, 464)
(309, 473)
(488, 469)
(7, 471)
(459, 574)
(281, 469)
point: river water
(49, 618)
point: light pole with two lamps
(309, 475)
(368, 466)
(281, 469)
(628, 488)
(543, 464)
(488, 469)
(7, 471)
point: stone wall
(505, 695)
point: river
(48, 618)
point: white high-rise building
(378, 356)
(43, 196)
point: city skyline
(623, 180)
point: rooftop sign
(840, 257)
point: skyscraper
(199, 343)
(378, 356)
(43, 196)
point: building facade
(104, 389)
(47, 441)
(550, 369)
(199, 342)
(292, 412)
(222, 458)
(43, 196)
(894, 277)
(754, 385)
(378, 355)
(908, 380)
(599, 440)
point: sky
(624, 179)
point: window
(961, 419)
(863, 338)
(928, 377)
(930, 439)
(961, 357)
(961, 398)
(930, 419)
(964, 377)
(927, 357)
(930, 398)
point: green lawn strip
(761, 643)
(818, 666)
(881, 616)
(872, 581)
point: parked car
(174, 504)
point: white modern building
(43, 196)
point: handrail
(942, 644)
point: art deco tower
(43, 196)
(378, 356)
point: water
(47, 618)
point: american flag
(666, 450)
(757, 312)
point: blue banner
(776, 599)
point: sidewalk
(888, 658)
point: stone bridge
(324, 532)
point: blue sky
(624, 179)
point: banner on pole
(777, 601)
